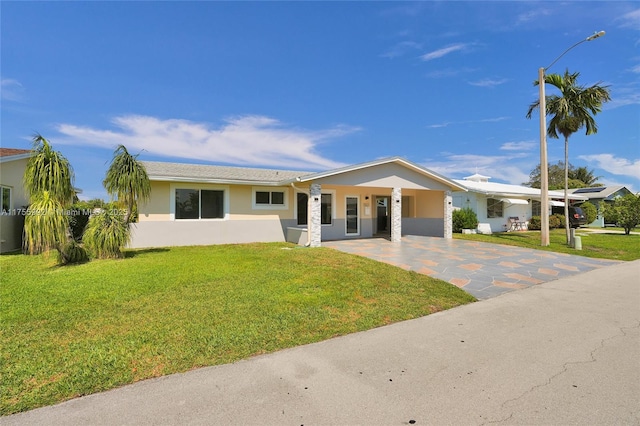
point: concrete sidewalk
(563, 352)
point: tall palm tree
(571, 111)
(48, 179)
(583, 174)
(127, 179)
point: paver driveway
(482, 269)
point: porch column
(314, 226)
(448, 215)
(396, 215)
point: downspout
(308, 243)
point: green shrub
(106, 234)
(535, 224)
(464, 219)
(556, 221)
(590, 211)
(73, 253)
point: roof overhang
(397, 160)
(214, 181)
(8, 158)
(515, 201)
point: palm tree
(584, 175)
(571, 111)
(48, 170)
(127, 179)
(48, 180)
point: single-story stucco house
(503, 207)
(13, 163)
(601, 194)
(195, 204)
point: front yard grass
(605, 245)
(75, 330)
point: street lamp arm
(591, 37)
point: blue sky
(316, 85)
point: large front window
(199, 204)
(326, 209)
(494, 208)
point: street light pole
(544, 165)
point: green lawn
(608, 245)
(75, 330)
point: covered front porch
(388, 198)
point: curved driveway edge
(482, 269)
(564, 352)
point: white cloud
(449, 72)
(444, 51)
(519, 146)
(532, 15)
(484, 120)
(507, 168)
(631, 19)
(488, 82)
(615, 165)
(246, 140)
(11, 90)
(635, 69)
(400, 49)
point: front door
(382, 215)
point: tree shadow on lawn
(128, 254)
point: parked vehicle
(577, 217)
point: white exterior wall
(478, 203)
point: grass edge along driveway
(75, 330)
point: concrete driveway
(482, 269)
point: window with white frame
(494, 208)
(6, 198)
(536, 208)
(326, 209)
(199, 203)
(268, 198)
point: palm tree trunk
(566, 190)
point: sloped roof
(599, 192)
(12, 154)
(183, 172)
(398, 160)
(508, 190)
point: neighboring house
(597, 194)
(203, 204)
(503, 207)
(14, 198)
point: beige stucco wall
(430, 204)
(240, 201)
(11, 175)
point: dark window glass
(325, 209)
(303, 200)
(277, 198)
(187, 204)
(352, 215)
(212, 204)
(262, 197)
(6, 199)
